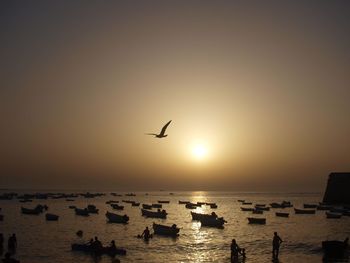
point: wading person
(276, 242)
(235, 249)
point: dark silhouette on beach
(276, 243)
(235, 251)
(162, 132)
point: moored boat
(146, 206)
(310, 206)
(304, 211)
(115, 218)
(163, 230)
(183, 202)
(256, 220)
(154, 214)
(117, 207)
(30, 211)
(281, 214)
(81, 212)
(92, 209)
(157, 205)
(212, 221)
(247, 209)
(191, 206)
(163, 201)
(198, 216)
(51, 217)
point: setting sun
(199, 151)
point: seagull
(162, 132)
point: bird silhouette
(162, 132)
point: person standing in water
(276, 243)
(235, 249)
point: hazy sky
(262, 86)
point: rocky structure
(338, 189)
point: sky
(258, 93)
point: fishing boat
(281, 214)
(212, 221)
(146, 206)
(163, 201)
(247, 209)
(117, 207)
(51, 217)
(304, 211)
(183, 202)
(115, 218)
(247, 203)
(81, 212)
(257, 211)
(154, 214)
(157, 205)
(135, 204)
(198, 216)
(213, 206)
(164, 230)
(92, 209)
(262, 208)
(256, 220)
(191, 206)
(30, 211)
(104, 250)
(333, 215)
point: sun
(199, 152)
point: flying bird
(162, 132)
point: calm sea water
(42, 241)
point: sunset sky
(258, 93)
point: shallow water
(42, 241)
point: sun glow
(199, 151)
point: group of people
(11, 246)
(236, 250)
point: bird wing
(164, 128)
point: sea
(44, 241)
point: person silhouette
(146, 234)
(235, 249)
(276, 243)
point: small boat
(256, 220)
(115, 218)
(112, 202)
(260, 205)
(69, 200)
(128, 201)
(332, 215)
(304, 211)
(146, 206)
(198, 216)
(51, 217)
(81, 212)
(247, 203)
(130, 194)
(72, 207)
(26, 201)
(201, 203)
(191, 206)
(276, 205)
(163, 201)
(29, 211)
(310, 206)
(92, 209)
(163, 230)
(117, 207)
(135, 204)
(335, 251)
(262, 208)
(104, 250)
(281, 214)
(183, 202)
(154, 214)
(257, 211)
(212, 221)
(241, 200)
(213, 206)
(157, 205)
(247, 209)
